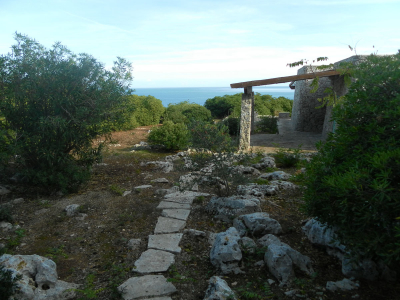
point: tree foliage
(54, 104)
(221, 107)
(172, 136)
(353, 183)
(141, 111)
(185, 112)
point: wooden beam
(283, 79)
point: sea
(199, 95)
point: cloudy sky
(206, 43)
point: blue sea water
(199, 95)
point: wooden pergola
(247, 116)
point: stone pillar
(246, 118)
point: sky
(206, 43)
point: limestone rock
(126, 193)
(240, 227)
(225, 253)
(233, 206)
(266, 162)
(277, 175)
(72, 210)
(164, 166)
(321, 235)
(280, 259)
(283, 185)
(160, 180)
(247, 244)
(5, 226)
(260, 223)
(245, 170)
(218, 289)
(344, 285)
(142, 187)
(257, 190)
(39, 278)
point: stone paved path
(162, 247)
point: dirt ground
(287, 138)
(98, 244)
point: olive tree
(53, 104)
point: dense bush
(172, 136)
(353, 183)
(267, 125)
(221, 107)
(185, 112)
(147, 109)
(55, 103)
(268, 105)
(233, 125)
(210, 136)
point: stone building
(305, 116)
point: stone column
(246, 118)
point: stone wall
(305, 116)
(340, 88)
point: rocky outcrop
(265, 162)
(258, 224)
(281, 258)
(277, 175)
(344, 285)
(225, 253)
(323, 236)
(164, 166)
(257, 190)
(229, 207)
(39, 278)
(218, 289)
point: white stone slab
(166, 242)
(168, 225)
(172, 205)
(160, 180)
(147, 286)
(180, 214)
(153, 261)
(186, 197)
(142, 187)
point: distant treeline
(148, 110)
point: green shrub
(268, 125)
(287, 158)
(185, 112)
(353, 183)
(5, 214)
(172, 136)
(8, 283)
(210, 136)
(233, 125)
(56, 103)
